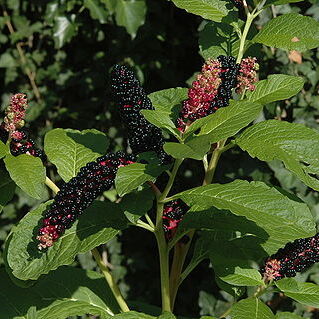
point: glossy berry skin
(294, 257)
(77, 194)
(131, 99)
(172, 215)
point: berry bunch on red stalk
(12, 128)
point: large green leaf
(280, 218)
(3, 149)
(167, 104)
(98, 224)
(277, 87)
(133, 315)
(303, 292)
(28, 173)
(251, 308)
(279, 2)
(294, 144)
(69, 150)
(131, 176)
(97, 11)
(226, 122)
(7, 188)
(66, 292)
(290, 31)
(214, 10)
(137, 204)
(287, 315)
(64, 30)
(130, 14)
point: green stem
(110, 280)
(144, 225)
(213, 163)
(55, 189)
(164, 259)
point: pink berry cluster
(247, 76)
(15, 113)
(202, 93)
(294, 257)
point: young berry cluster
(76, 195)
(172, 215)
(211, 90)
(247, 76)
(293, 258)
(131, 99)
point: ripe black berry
(131, 99)
(76, 195)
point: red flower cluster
(293, 258)
(247, 76)
(210, 91)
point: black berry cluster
(172, 215)
(229, 72)
(77, 194)
(294, 257)
(131, 99)
(20, 142)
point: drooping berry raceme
(211, 90)
(247, 76)
(77, 194)
(11, 127)
(294, 257)
(131, 99)
(172, 215)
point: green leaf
(277, 87)
(244, 277)
(7, 61)
(7, 188)
(97, 11)
(167, 104)
(214, 10)
(28, 173)
(69, 150)
(132, 176)
(303, 292)
(133, 315)
(294, 144)
(137, 204)
(166, 315)
(251, 308)
(282, 219)
(130, 14)
(290, 31)
(226, 122)
(64, 30)
(279, 2)
(32, 313)
(3, 149)
(99, 223)
(287, 315)
(71, 292)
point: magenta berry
(131, 99)
(172, 215)
(247, 76)
(294, 257)
(77, 194)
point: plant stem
(144, 225)
(110, 280)
(55, 189)
(213, 163)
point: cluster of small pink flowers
(203, 91)
(247, 75)
(15, 113)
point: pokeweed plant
(257, 236)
